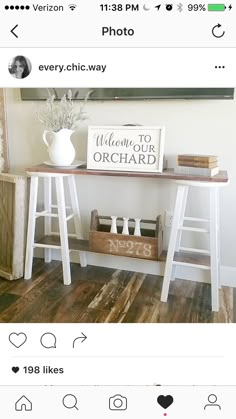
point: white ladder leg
(63, 230)
(214, 248)
(179, 233)
(172, 243)
(47, 220)
(31, 227)
(77, 218)
(218, 234)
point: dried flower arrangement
(55, 116)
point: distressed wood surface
(167, 174)
(188, 257)
(83, 245)
(147, 246)
(121, 245)
(107, 295)
(13, 212)
(3, 125)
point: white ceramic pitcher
(61, 150)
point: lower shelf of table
(83, 245)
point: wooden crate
(147, 246)
(13, 212)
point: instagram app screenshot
(117, 209)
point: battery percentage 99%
(196, 7)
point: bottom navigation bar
(128, 401)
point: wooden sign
(126, 148)
(137, 247)
(148, 246)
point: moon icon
(145, 8)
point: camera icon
(118, 402)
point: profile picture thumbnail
(20, 67)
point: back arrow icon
(213, 31)
(12, 31)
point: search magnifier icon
(70, 401)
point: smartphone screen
(117, 207)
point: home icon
(23, 404)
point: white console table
(176, 254)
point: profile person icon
(212, 399)
(20, 67)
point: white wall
(206, 127)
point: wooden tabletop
(222, 176)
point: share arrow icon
(79, 339)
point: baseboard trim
(128, 264)
(228, 276)
(227, 273)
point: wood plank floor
(107, 295)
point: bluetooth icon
(180, 7)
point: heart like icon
(15, 369)
(17, 339)
(165, 401)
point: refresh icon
(215, 31)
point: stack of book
(197, 165)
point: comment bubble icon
(48, 340)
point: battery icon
(216, 7)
